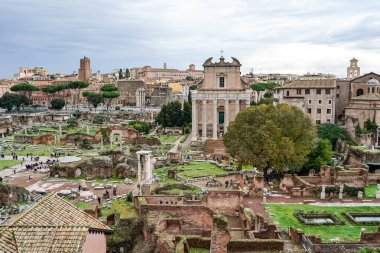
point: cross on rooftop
(221, 52)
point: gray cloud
(282, 36)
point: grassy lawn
(125, 209)
(193, 170)
(283, 214)
(370, 191)
(178, 189)
(84, 205)
(198, 250)
(167, 138)
(5, 164)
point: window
(328, 111)
(330, 101)
(319, 91)
(299, 91)
(318, 122)
(327, 91)
(337, 95)
(307, 91)
(319, 101)
(328, 120)
(309, 102)
(221, 82)
(308, 110)
(287, 93)
(319, 110)
(338, 87)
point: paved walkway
(21, 166)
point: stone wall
(70, 138)
(357, 156)
(47, 139)
(226, 202)
(142, 140)
(127, 133)
(95, 167)
(9, 194)
(164, 200)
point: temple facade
(219, 98)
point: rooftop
(316, 83)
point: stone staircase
(214, 147)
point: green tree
(358, 129)
(57, 104)
(10, 100)
(192, 87)
(25, 89)
(72, 122)
(263, 86)
(320, 155)
(333, 132)
(268, 95)
(109, 93)
(51, 90)
(370, 126)
(186, 113)
(93, 98)
(140, 126)
(278, 137)
(99, 119)
(127, 73)
(171, 115)
(77, 86)
(120, 74)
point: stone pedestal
(264, 200)
(360, 195)
(378, 192)
(340, 196)
(323, 192)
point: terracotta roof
(40, 239)
(373, 96)
(55, 211)
(317, 83)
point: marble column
(60, 130)
(237, 107)
(215, 120)
(88, 129)
(148, 168)
(138, 169)
(101, 142)
(204, 120)
(226, 112)
(194, 120)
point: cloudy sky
(292, 36)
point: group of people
(231, 183)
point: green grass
(125, 209)
(167, 138)
(84, 205)
(5, 164)
(193, 170)
(370, 191)
(198, 250)
(283, 214)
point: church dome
(373, 82)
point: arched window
(359, 92)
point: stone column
(60, 130)
(204, 120)
(215, 121)
(194, 120)
(148, 168)
(111, 139)
(237, 107)
(88, 130)
(226, 112)
(138, 169)
(101, 142)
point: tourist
(30, 178)
(14, 172)
(99, 200)
(79, 188)
(231, 183)
(114, 190)
(1, 180)
(330, 196)
(226, 183)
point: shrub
(117, 108)
(57, 104)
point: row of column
(140, 97)
(215, 118)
